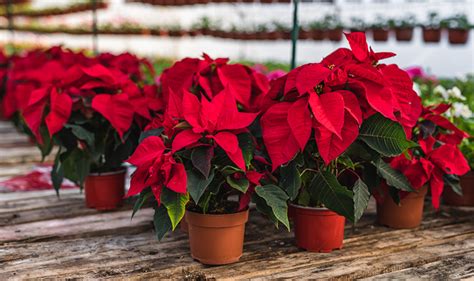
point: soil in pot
(458, 36)
(105, 191)
(216, 239)
(407, 214)
(404, 34)
(317, 229)
(467, 185)
(431, 35)
(380, 35)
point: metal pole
(294, 33)
(94, 27)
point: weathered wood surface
(42, 236)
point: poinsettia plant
(333, 121)
(202, 154)
(92, 108)
(437, 161)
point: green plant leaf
(290, 179)
(76, 165)
(82, 134)
(454, 182)
(149, 133)
(275, 198)
(361, 198)
(57, 172)
(197, 184)
(47, 145)
(327, 190)
(142, 198)
(241, 184)
(201, 158)
(392, 177)
(246, 144)
(384, 135)
(175, 204)
(161, 222)
(263, 208)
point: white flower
(416, 88)
(461, 110)
(440, 90)
(455, 92)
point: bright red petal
(238, 81)
(178, 178)
(358, 44)
(33, 113)
(183, 139)
(310, 75)
(279, 140)
(450, 159)
(147, 151)
(230, 144)
(328, 110)
(299, 119)
(116, 109)
(60, 111)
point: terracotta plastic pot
(467, 199)
(105, 191)
(380, 35)
(404, 34)
(335, 34)
(183, 225)
(317, 229)
(317, 34)
(458, 36)
(216, 239)
(431, 35)
(406, 215)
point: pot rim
(122, 170)
(218, 215)
(309, 208)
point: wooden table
(42, 236)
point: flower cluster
(334, 97)
(438, 157)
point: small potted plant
(317, 30)
(379, 30)
(304, 33)
(403, 28)
(334, 28)
(92, 111)
(357, 25)
(205, 154)
(458, 29)
(322, 135)
(283, 30)
(436, 162)
(432, 29)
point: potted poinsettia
(202, 159)
(458, 29)
(330, 122)
(380, 29)
(458, 94)
(93, 112)
(432, 29)
(436, 162)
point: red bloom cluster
(438, 139)
(333, 97)
(207, 103)
(57, 82)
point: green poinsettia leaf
(161, 222)
(142, 198)
(361, 198)
(384, 135)
(276, 199)
(201, 157)
(175, 204)
(241, 184)
(392, 177)
(82, 134)
(326, 189)
(197, 184)
(290, 179)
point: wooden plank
(21, 155)
(451, 268)
(268, 254)
(13, 138)
(82, 226)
